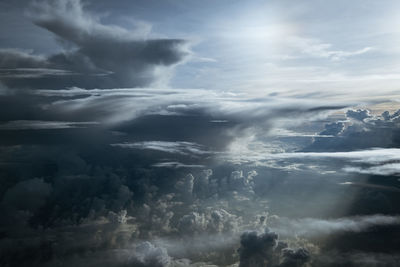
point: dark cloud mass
(14, 59)
(361, 131)
(94, 55)
(104, 162)
(265, 250)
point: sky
(199, 133)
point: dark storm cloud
(27, 195)
(295, 258)
(258, 250)
(94, 54)
(265, 250)
(14, 59)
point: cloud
(206, 247)
(184, 188)
(376, 156)
(193, 223)
(374, 186)
(289, 133)
(117, 192)
(177, 147)
(316, 48)
(372, 156)
(116, 105)
(367, 259)
(202, 183)
(16, 59)
(359, 114)
(21, 64)
(360, 130)
(264, 249)
(139, 113)
(295, 257)
(27, 195)
(312, 227)
(147, 255)
(95, 55)
(22, 73)
(41, 125)
(257, 250)
(384, 169)
(333, 129)
(391, 117)
(363, 143)
(176, 165)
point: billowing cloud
(265, 250)
(146, 254)
(257, 250)
(360, 114)
(95, 55)
(295, 257)
(360, 130)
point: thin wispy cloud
(379, 159)
(384, 169)
(320, 227)
(316, 48)
(178, 147)
(123, 104)
(44, 125)
(176, 165)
